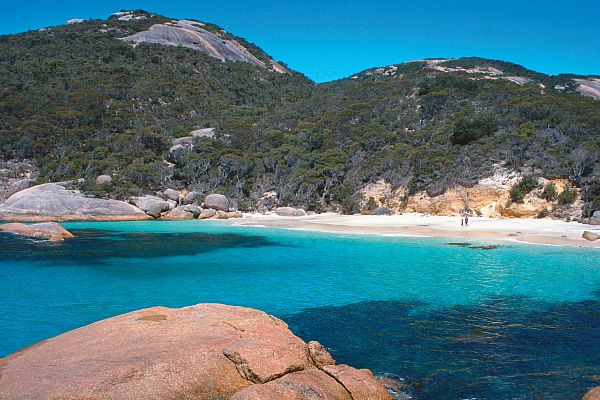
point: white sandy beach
(534, 231)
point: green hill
(80, 102)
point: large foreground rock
(216, 201)
(44, 230)
(207, 351)
(593, 394)
(290, 212)
(53, 202)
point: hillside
(123, 96)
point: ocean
(452, 319)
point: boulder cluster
(173, 205)
(207, 351)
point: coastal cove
(455, 318)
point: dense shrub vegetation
(80, 103)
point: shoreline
(527, 231)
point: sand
(533, 231)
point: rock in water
(203, 352)
(152, 205)
(46, 230)
(290, 212)
(53, 202)
(591, 236)
(216, 201)
(593, 394)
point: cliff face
(490, 197)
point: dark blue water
(512, 322)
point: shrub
(550, 192)
(523, 188)
(568, 196)
(371, 204)
(466, 131)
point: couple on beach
(464, 221)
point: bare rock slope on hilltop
(191, 34)
(54, 202)
(206, 351)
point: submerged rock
(46, 230)
(216, 201)
(290, 212)
(53, 202)
(206, 351)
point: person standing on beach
(462, 222)
(466, 220)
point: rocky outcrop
(191, 34)
(103, 179)
(594, 219)
(45, 230)
(216, 201)
(179, 213)
(593, 394)
(290, 212)
(14, 177)
(207, 213)
(190, 198)
(591, 236)
(203, 352)
(171, 194)
(151, 205)
(490, 197)
(54, 202)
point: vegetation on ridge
(80, 103)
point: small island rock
(45, 230)
(216, 201)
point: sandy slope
(537, 231)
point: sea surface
(453, 320)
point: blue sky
(327, 40)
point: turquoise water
(513, 322)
